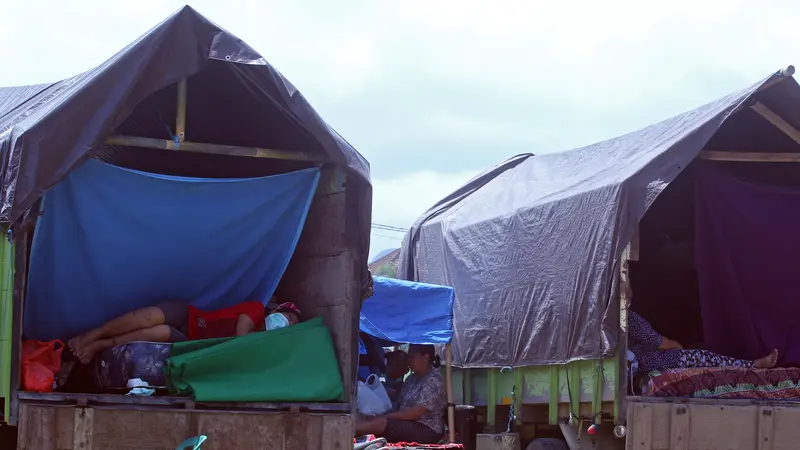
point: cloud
(398, 201)
(432, 91)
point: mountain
(382, 254)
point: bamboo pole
(786, 157)
(777, 121)
(180, 116)
(451, 408)
(217, 149)
(783, 74)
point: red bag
(40, 363)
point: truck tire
(547, 444)
(8, 437)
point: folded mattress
(114, 367)
(720, 382)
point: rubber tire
(8, 437)
(547, 444)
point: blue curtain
(111, 240)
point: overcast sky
(431, 92)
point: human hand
(667, 344)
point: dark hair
(396, 354)
(429, 350)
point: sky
(432, 92)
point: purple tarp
(747, 244)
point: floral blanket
(718, 382)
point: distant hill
(386, 265)
(382, 254)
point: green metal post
(491, 399)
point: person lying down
(177, 321)
(654, 351)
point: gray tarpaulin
(47, 130)
(532, 245)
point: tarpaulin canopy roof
(532, 245)
(47, 130)
(405, 312)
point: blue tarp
(407, 312)
(112, 240)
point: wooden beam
(712, 155)
(777, 121)
(165, 144)
(451, 409)
(180, 117)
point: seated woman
(654, 351)
(419, 415)
(178, 321)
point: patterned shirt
(428, 391)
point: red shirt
(222, 322)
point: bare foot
(74, 345)
(87, 352)
(768, 361)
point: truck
(546, 252)
(235, 116)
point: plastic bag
(40, 363)
(372, 397)
(369, 404)
(374, 384)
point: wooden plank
(642, 427)
(83, 429)
(214, 149)
(633, 246)
(180, 116)
(766, 416)
(166, 401)
(716, 401)
(722, 426)
(20, 250)
(37, 428)
(713, 155)
(337, 433)
(620, 400)
(295, 431)
(679, 428)
(776, 121)
(785, 432)
(241, 431)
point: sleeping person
(654, 351)
(177, 321)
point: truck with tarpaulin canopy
(689, 223)
(185, 167)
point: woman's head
(422, 357)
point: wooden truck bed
(712, 424)
(47, 423)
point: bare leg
(158, 333)
(374, 426)
(767, 362)
(132, 321)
